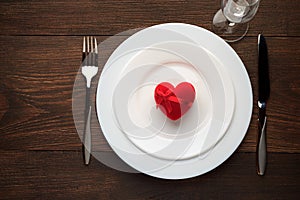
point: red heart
(174, 102)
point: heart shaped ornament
(174, 102)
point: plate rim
(160, 173)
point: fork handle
(87, 136)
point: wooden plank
(37, 77)
(283, 111)
(36, 82)
(107, 17)
(62, 175)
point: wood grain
(109, 17)
(44, 175)
(40, 151)
(39, 83)
(3, 103)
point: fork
(89, 70)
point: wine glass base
(229, 31)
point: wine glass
(231, 21)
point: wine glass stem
(228, 30)
(231, 23)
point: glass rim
(254, 2)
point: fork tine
(96, 52)
(88, 43)
(83, 49)
(92, 51)
(92, 45)
(88, 51)
(83, 46)
(96, 45)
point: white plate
(147, 127)
(217, 49)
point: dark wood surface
(40, 151)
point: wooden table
(40, 151)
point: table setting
(191, 104)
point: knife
(263, 96)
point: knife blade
(263, 96)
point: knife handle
(261, 151)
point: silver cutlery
(89, 70)
(263, 96)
